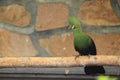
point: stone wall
(38, 27)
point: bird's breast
(81, 42)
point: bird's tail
(94, 70)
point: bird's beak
(69, 27)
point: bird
(84, 45)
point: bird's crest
(73, 21)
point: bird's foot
(76, 56)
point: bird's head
(74, 23)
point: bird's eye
(75, 27)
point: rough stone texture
(51, 15)
(15, 14)
(98, 12)
(62, 45)
(59, 45)
(55, 15)
(12, 44)
(107, 44)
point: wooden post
(59, 61)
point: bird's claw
(76, 56)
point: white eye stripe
(73, 27)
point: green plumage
(84, 45)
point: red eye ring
(75, 27)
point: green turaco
(84, 45)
